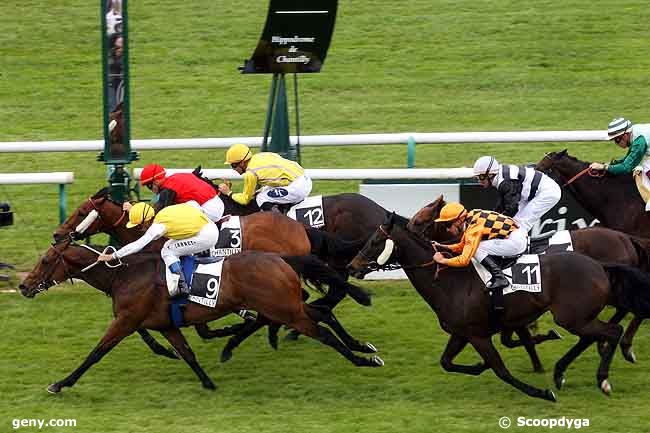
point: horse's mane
(105, 193)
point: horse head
(376, 252)
(560, 166)
(423, 222)
(52, 268)
(98, 214)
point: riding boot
(178, 284)
(497, 283)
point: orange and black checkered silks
(493, 224)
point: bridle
(374, 266)
(48, 281)
(99, 214)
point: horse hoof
(292, 336)
(554, 335)
(371, 348)
(377, 361)
(559, 381)
(550, 395)
(629, 355)
(605, 387)
(55, 388)
(226, 355)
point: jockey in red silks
(181, 188)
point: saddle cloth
(309, 212)
(230, 237)
(559, 242)
(203, 275)
(525, 274)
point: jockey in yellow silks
(282, 181)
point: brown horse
(614, 200)
(575, 288)
(262, 231)
(264, 282)
(599, 243)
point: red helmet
(150, 173)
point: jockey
(525, 194)
(484, 234)
(180, 188)
(636, 161)
(189, 231)
(283, 181)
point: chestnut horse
(264, 282)
(614, 200)
(262, 231)
(575, 288)
(599, 243)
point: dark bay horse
(261, 231)
(264, 282)
(614, 200)
(599, 243)
(575, 288)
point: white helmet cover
(486, 165)
(617, 127)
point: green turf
(420, 65)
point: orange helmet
(451, 212)
(150, 173)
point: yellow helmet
(451, 212)
(139, 213)
(237, 153)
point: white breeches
(296, 191)
(533, 211)
(206, 238)
(514, 245)
(213, 208)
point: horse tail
(316, 272)
(642, 246)
(326, 245)
(630, 287)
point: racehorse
(599, 243)
(614, 200)
(264, 282)
(575, 288)
(262, 231)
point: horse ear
(562, 153)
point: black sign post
(295, 40)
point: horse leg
(116, 332)
(330, 319)
(454, 346)
(306, 323)
(616, 318)
(594, 330)
(178, 341)
(248, 330)
(331, 300)
(491, 357)
(529, 345)
(510, 343)
(156, 347)
(626, 342)
(207, 334)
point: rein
(418, 266)
(590, 171)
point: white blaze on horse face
(83, 225)
(112, 125)
(385, 255)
